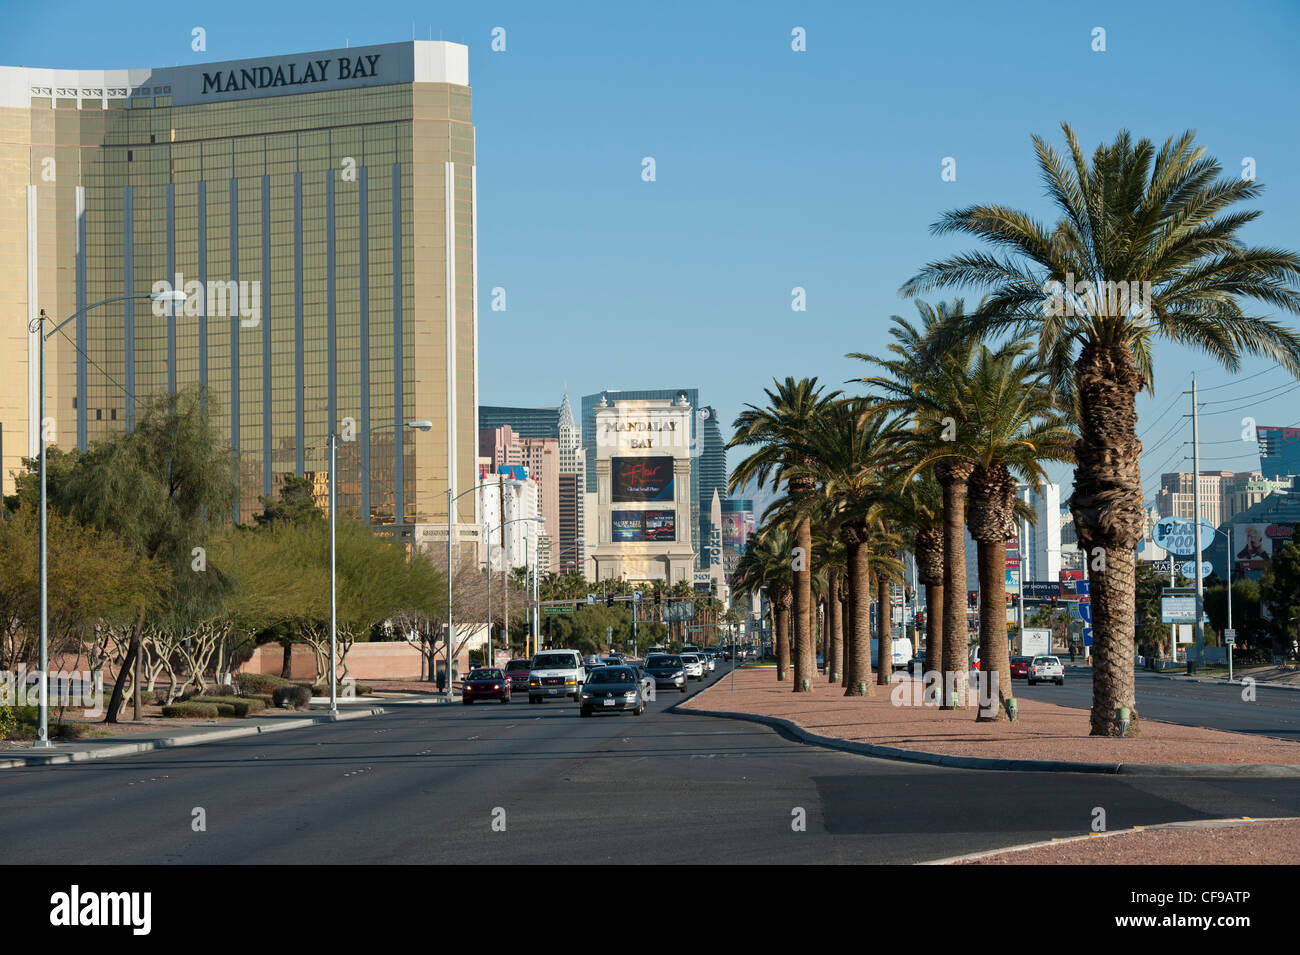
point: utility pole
(1196, 528)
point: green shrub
(192, 710)
(249, 683)
(240, 706)
(8, 721)
(225, 709)
(292, 697)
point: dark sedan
(1020, 667)
(667, 669)
(612, 690)
(485, 683)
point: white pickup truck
(1046, 670)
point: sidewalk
(1046, 737)
(193, 733)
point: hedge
(251, 683)
(242, 706)
(193, 710)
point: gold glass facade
(325, 210)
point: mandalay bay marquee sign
(293, 73)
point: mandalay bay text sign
(293, 73)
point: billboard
(1253, 545)
(660, 526)
(641, 479)
(627, 526)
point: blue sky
(774, 169)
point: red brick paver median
(1044, 731)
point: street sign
(1087, 636)
(1178, 609)
(591, 598)
(556, 608)
(1188, 568)
(1035, 642)
(1083, 588)
(1085, 612)
(636, 596)
(1229, 637)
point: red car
(517, 673)
(1020, 668)
(485, 683)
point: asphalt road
(426, 784)
(1273, 712)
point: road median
(1045, 738)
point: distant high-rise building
(573, 497)
(1041, 559)
(706, 447)
(1279, 452)
(525, 422)
(500, 446)
(1175, 497)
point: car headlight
(496, 686)
(586, 696)
(679, 673)
(534, 682)
(630, 694)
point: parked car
(1046, 670)
(1020, 667)
(517, 673)
(612, 690)
(694, 665)
(485, 683)
(667, 670)
(556, 673)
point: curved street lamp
(37, 326)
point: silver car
(694, 665)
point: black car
(667, 669)
(612, 690)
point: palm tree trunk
(933, 629)
(955, 662)
(781, 614)
(859, 648)
(805, 654)
(884, 633)
(835, 632)
(995, 665)
(1108, 511)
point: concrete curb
(1192, 824)
(1219, 770)
(51, 758)
(1222, 681)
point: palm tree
(850, 449)
(923, 516)
(1014, 427)
(831, 559)
(777, 433)
(922, 382)
(765, 565)
(1135, 219)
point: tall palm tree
(765, 565)
(777, 433)
(924, 518)
(1014, 426)
(921, 382)
(1157, 222)
(831, 556)
(850, 449)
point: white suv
(556, 673)
(1046, 670)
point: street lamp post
(37, 325)
(421, 425)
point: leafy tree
(296, 504)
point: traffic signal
(609, 601)
(971, 597)
(577, 605)
(659, 597)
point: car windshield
(664, 661)
(690, 658)
(548, 661)
(517, 665)
(485, 674)
(611, 675)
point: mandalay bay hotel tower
(318, 210)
